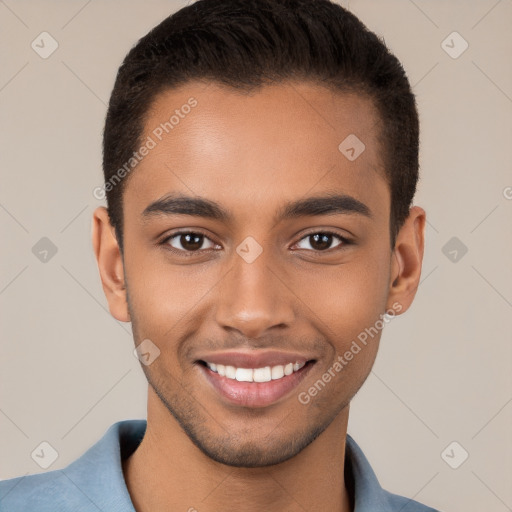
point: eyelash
(185, 253)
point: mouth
(252, 384)
(264, 374)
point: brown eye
(321, 241)
(189, 241)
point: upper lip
(254, 359)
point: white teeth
(244, 375)
(265, 374)
(230, 372)
(277, 372)
(262, 374)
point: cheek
(351, 297)
(351, 309)
(164, 298)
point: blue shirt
(95, 481)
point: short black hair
(246, 44)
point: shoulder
(43, 492)
(92, 482)
(366, 490)
(403, 504)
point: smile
(253, 380)
(265, 374)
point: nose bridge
(252, 298)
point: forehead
(251, 151)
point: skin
(251, 154)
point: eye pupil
(191, 241)
(321, 241)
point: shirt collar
(99, 475)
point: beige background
(443, 372)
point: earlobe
(407, 259)
(110, 264)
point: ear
(110, 264)
(407, 261)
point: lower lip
(255, 394)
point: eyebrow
(331, 204)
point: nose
(253, 298)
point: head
(260, 161)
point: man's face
(257, 288)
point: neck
(167, 471)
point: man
(260, 162)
